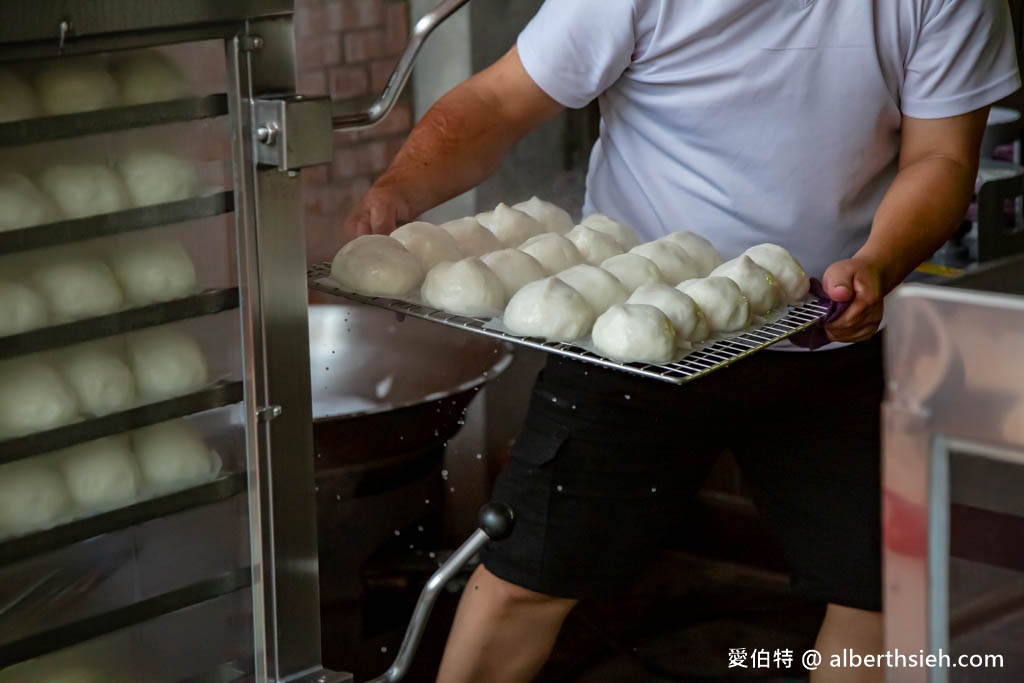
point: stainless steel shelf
(91, 227)
(217, 396)
(114, 620)
(37, 543)
(47, 128)
(711, 356)
(56, 336)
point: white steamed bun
(632, 333)
(595, 246)
(429, 243)
(21, 308)
(551, 310)
(32, 496)
(166, 363)
(674, 263)
(601, 289)
(33, 398)
(376, 265)
(154, 177)
(511, 227)
(634, 271)
(100, 475)
(148, 76)
(466, 287)
(553, 251)
(100, 376)
(473, 239)
(22, 204)
(172, 456)
(722, 301)
(780, 263)
(682, 311)
(84, 189)
(697, 247)
(76, 288)
(514, 268)
(623, 236)
(553, 218)
(72, 85)
(756, 283)
(153, 270)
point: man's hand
(860, 282)
(379, 212)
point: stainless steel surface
(953, 434)
(697, 363)
(41, 20)
(294, 132)
(389, 97)
(365, 361)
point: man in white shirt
(846, 131)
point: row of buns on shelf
(544, 276)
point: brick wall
(347, 49)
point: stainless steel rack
(710, 356)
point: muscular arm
(920, 212)
(457, 144)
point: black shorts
(607, 462)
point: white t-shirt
(753, 121)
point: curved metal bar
(400, 76)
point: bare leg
(502, 633)
(857, 630)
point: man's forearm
(921, 211)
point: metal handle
(496, 522)
(387, 99)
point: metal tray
(56, 336)
(104, 225)
(710, 356)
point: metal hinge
(293, 132)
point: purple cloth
(814, 337)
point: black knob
(497, 520)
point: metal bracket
(293, 132)
(250, 43)
(269, 413)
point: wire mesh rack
(703, 359)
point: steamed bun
(101, 378)
(514, 268)
(33, 398)
(466, 287)
(77, 288)
(601, 289)
(151, 271)
(149, 76)
(376, 265)
(553, 251)
(596, 247)
(551, 310)
(166, 363)
(682, 311)
(157, 177)
(100, 475)
(634, 270)
(21, 309)
(84, 189)
(22, 204)
(32, 496)
(632, 333)
(473, 239)
(553, 218)
(511, 227)
(674, 263)
(756, 283)
(18, 101)
(429, 243)
(623, 236)
(72, 85)
(722, 301)
(787, 271)
(697, 247)
(172, 456)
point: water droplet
(444, 474)
(479, 456)
(654, 489)
(411, 546)
(384, 648)
(397, 532)
(431, 554)
(337, 497)
(419, 528)
(559, 487)
(427, 501)
(554, 399)
(628, 397)
(574, 406)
